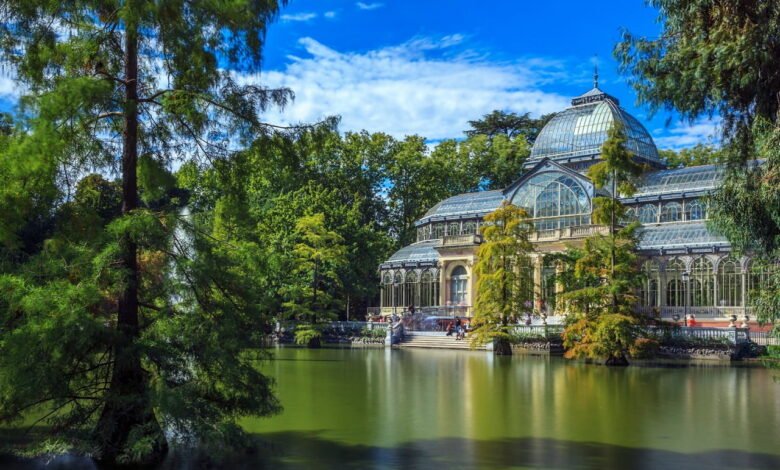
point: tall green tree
(509, 124)
(722, 57)
(112, 84)
(606, 272)
(699, 154)
(616, 171)
(712, 57)
(504, 276)
(318, 257)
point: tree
(599, 298)
(504, 276)
(114, 84)
(699, 154)
(319, 255)
(510, 125)
(618, 170)
(712, 57)
(606, 272)
(723, 57)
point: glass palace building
(685, 263)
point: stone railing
(732, 335)
(569, 233)
(446, 311)
(700, 312)
(537, 330)
(462, 240)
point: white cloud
(299, 17)
(9, 86)
(329, 14)
(369, 6)
(682, 135)
(424, 86)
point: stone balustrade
(569, 233)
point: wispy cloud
(329, 14)
(425, 86)
(306, 16)
(369, 6)
(682, 134)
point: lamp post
(686, 277)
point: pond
(353, 408)
(377, 408)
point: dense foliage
(122, 315)
(699, 154)
(504, 276)
(722, 57)
(601, 291)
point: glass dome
(577, 133)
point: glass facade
(675, 288)
(554, 200)
(672, 212)
(695, 210)
(702, 283)
(670, 204)
(695, 178)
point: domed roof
(577, 133)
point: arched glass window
(458, 286)
(671, 212)
(556, 198)
(729, 283)
(426, 289)
(437, 231)
(631, 215)
(695, 210)
(675, 288)
(453, 229)
(469, 228)
(386, 290)
(702, 283)
(412, 289)
(649, 293)
(759, 277)
(648, 214)
(398, 290)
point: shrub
(305, 333)
(644, 348)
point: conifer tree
(318, 256)
(504, 276)
(130, 330)
(606, 273)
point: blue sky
(427, 67)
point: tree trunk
(620, 361)
(128, 409)
(502, 347)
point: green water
(378, 408)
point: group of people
(458, 327)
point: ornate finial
(596, 75)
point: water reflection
(414, 404)
(378, 408)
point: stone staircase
(435, 340)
